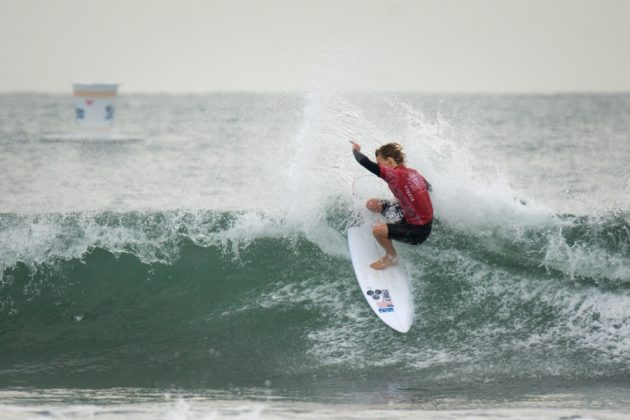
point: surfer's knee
(380, 230)
(375, 205)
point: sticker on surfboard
(383, 298)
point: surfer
(413, 206)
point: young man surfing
(413, 204)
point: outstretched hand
(355, 146)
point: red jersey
(412, 192)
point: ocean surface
(202, 270)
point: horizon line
(69, 92)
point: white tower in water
(95, 114)
(95, 106)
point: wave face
(221, 298)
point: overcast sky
(283, 45)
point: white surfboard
(387, 291)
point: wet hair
(392, 150)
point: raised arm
(364, 160)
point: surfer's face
(389, 162)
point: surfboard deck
(388, 292)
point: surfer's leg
(380, 233)
(411, 234)
(375, 205)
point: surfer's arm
(367, 163)
(429, 187)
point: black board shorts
(402, 231)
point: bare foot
(386, 261)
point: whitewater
(203, 271)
